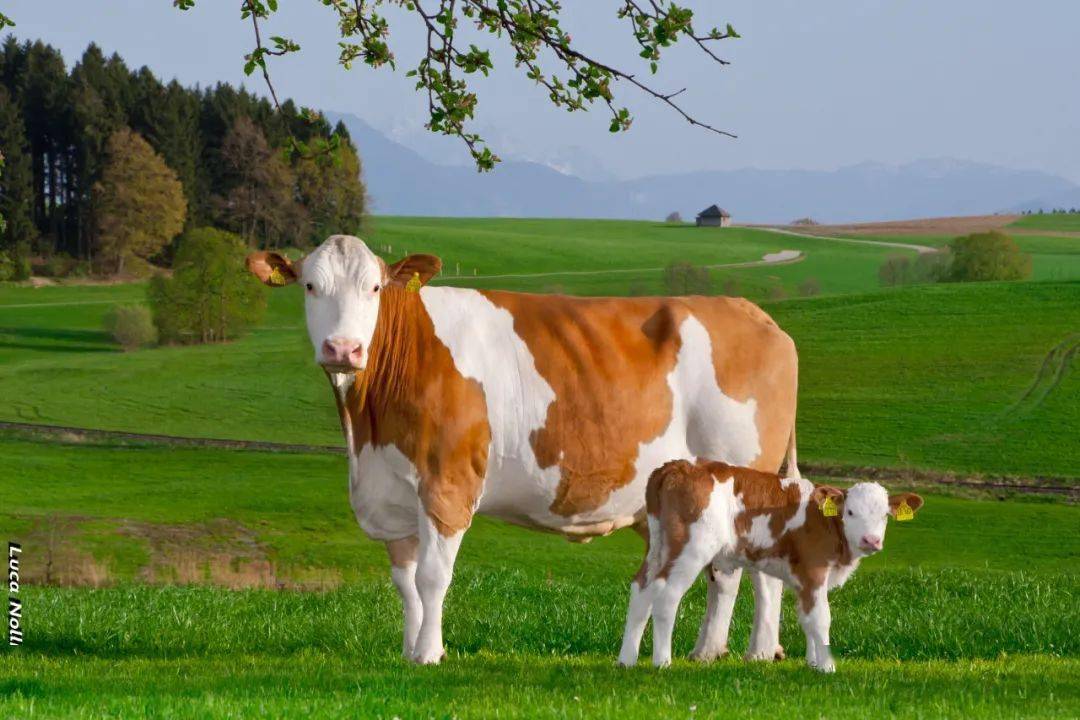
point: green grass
(1067, 222)
(927, 377)
(969, 612)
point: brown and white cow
(712, 514)
(545, 411)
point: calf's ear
(913, 501)
(421, 267)
(272, 269)
(827, 498)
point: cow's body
(713, 514)
(545, 411)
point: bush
(810, 287)
(896, 270)
(131, 326)
(211, 297)
(682, 278)
(988, 256)
(933, 267)
(732, 288)
(776, 292)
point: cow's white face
(343, 281)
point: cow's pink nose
(871, 542)
(342, 352)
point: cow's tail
(792, 462)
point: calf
(811, 537)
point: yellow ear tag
(275, 277)
(828, 508)
(414, 283)
(904, 512)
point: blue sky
(811, 84)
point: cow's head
(864, 510)
(343, 282)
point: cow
(711, 514)
(545, 411)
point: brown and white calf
(712, 514)
(545, 411)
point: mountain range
(401, 181)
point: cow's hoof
(826, 667)
(661, 663)
(627, 660)
(707, 655)
(779, 654)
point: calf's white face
(342, 281)
(866, 510)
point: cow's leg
(403, 555)
(765, 637)
(723, 588)
(815, 618)
(434, 570)
(637, 616)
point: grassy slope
(936, 625)
(919, 376)
(1068, 222)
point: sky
(815, 85)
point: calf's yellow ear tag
(904, 512)
(414, 283)
(275, 277)
(828, 508)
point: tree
(260, 202)
(211, 297)
(16, 180)
(330, 189)
(673, 217)
(896, 270)
(988, 256)
(455, 34)
(682, 278)
(140, 203)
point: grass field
(1063, 222)
(970, 612)
(935, 626)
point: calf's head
(864, 510)
(343, 282)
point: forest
(105, 165)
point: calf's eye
(850, 513)
(375, 289)
(310, 287)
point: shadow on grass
(56, 340)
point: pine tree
(140, 203)
(16, 182)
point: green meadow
(1059, 222)
(131, 549)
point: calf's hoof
(825, 667)
(707, 655)
(779, 654)
(429, 657)
(766, 655)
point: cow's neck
(397, 371)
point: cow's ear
(271, 268)
(913, 501)
(421, 267)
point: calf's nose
(871, 542)
(341, 351)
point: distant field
(1064, 222)
(928, 377)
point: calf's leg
(815, 618)
(637, 616)
(765, 637)
(667, 593)
(723, 588)
(434, 570)
(403, 554)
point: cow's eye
(375, 289)
(310, 287)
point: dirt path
(778, 258)
(1026, 485)
(921, 249)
